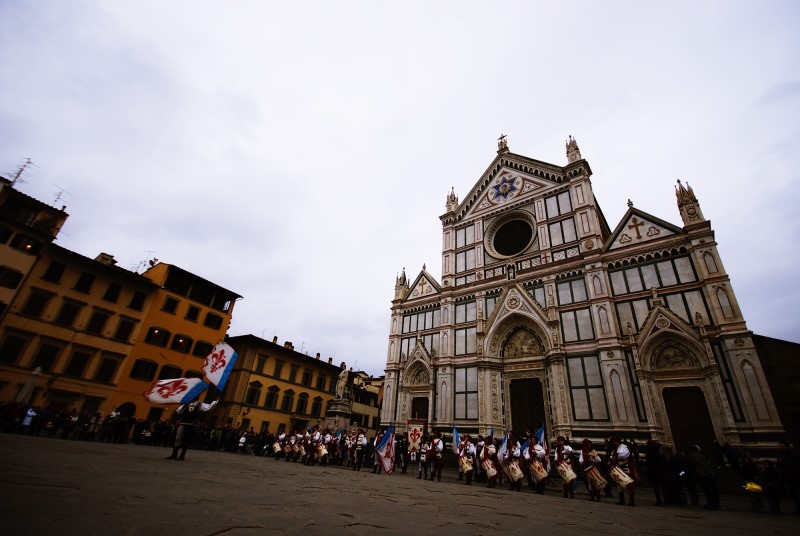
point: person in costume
(466, 451)
(188, 414)
(438, 454)
(621, 457)
(589, 459)
(535, 452)
(423, 457)
(360, 450)
(488, 457)
(513, 456)
(564, 455)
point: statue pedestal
(338, 415)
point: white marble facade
(545, 312)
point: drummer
(590, 460)
(513, 457)
(466, 458)
(564, 455)
(489, 464)
(621, 457)
(536, 453)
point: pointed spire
(688, 205)
(573, 152)
(401, 285)
(451, 204)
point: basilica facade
(545, 314)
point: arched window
(711, 264)
(272, 397)
(724, 303)
(316, 407)
(604, 324)
(302, 404)
(288, 401)
(253, 394)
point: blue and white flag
(219, 364)
(501, 455)
(175, 391)
(456, 440)
(385, 450)
(540, 435)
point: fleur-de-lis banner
(175, 391)
(219, 364)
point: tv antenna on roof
(18, 175)
(59, 194)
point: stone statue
(341, 384)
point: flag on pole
(385, 450)
(542, 437)
(501, 455)
(456, 440)
(175, 391)
(219, 364)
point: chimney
(330, 361)
(275, 339)
(317, 355)
(105, 258)
(289, 345)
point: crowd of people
(676, 478)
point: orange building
(187, 317)
(73, 318)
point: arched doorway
(689, 418)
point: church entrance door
(689, 419)
(419, 407)
(527, 405)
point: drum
(321, 451)
(538, 471)
(514, 470)
(595, 479)
(276, 448)
(295, 448)
(620, 477)
(488, 466)
(567, 474)
(287, 449)
(302, 450)
(465, 464)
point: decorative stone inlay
(610, 353)
(738, 342)
(662, 322)
(589, 244)
(513, 302)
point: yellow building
(367, 398)
(274, 388)
(27, 226)
(188, 315)
(74, 318)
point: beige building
(547, 314)
(274, 388)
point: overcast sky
(300, 153)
